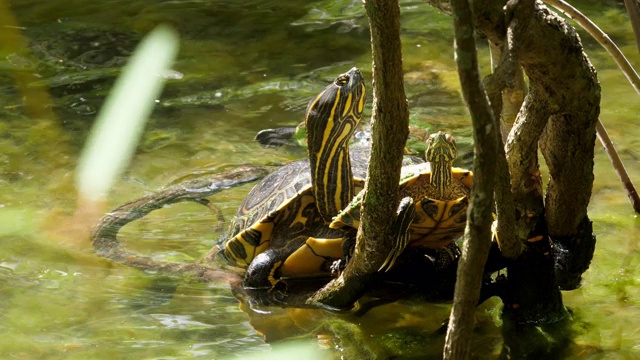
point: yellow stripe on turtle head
(347, 105)
(331, 121)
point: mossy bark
(390, 123)
(477, 237)
(558, 117)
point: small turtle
(440, 193)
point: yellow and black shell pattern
(252, 228)
(281, 208)
(437, 222)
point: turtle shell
(437, 222)
(279, 213)
(280, 209)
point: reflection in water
(183, 322)
(247, 66)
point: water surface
(245, 66)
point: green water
(245, 66)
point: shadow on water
(246, 66)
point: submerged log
(104, 234)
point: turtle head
(441, 148)
(333, 115)
(331, 120)
(440, 153)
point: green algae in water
(56, 303)
(117, 129)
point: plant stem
(633, 8)
(477, 236)
(618, 166)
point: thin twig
(477, 235)
(617, 164)
(634, 14)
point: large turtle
(281, 229)
(440, 193)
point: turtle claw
(337, 267)
(389, 261)
(446, 256)
(400, 230)
(348, 247)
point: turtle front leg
(446, 256)
(314, 258)
(305, 257)
(400, 230)
(264, 272)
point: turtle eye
(342, 80)
(451, 139)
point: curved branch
(619, 166)
(522, 155)
(602, 38)
(477, 236)
(628, 72)
(390, 128)
(104, 234)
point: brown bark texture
(559, 115)
(510, 246)
(511, 97)
(562, 107)
(390, 123)
(506, 89)
(477, 237)
(603, 39)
